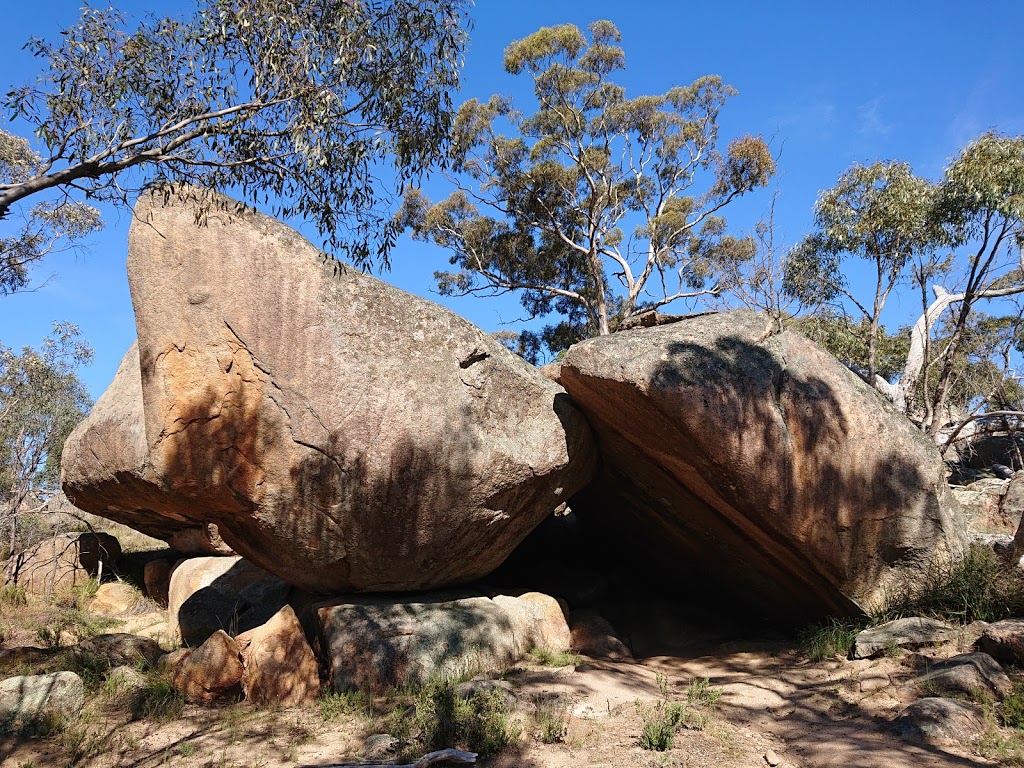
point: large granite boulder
(756, 461)
(105, 470)
(341, 433)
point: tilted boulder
(341, 433)
(280, 668)
(105, 470)
(757, 460)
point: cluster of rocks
(950, 711)
(348, 439)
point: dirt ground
(829, 713)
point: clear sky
(829, 84)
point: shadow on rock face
(756, 469)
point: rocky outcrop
(62, 562)
(756, 458)
(376, 644)
(105, 470)
(992, 505)
(939, 722)
(967, 675)
(341, 433)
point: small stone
(377, 746)
(772, 758)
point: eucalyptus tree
(880, 213)
(295, 104)
(41, 401)
(596, 206)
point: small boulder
(212, 673)
(539, 621)
(118, 649)
(911, 632)
(1004, 641)
(976, 675)
(63, 562)
(25, 698)
(125, 680)
(280, 669)
(156, 576)
(211, 593)
(593, 635)
(982, 502)
(939, 722)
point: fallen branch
(444, 755)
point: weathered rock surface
(280, 669)
(156, 576)
(114, 598)
(341, 433)
(212, 673)
(375, 644)
(63, 562)
(211, 593)
(1004, 641)
(910, 632)
(939, 721)
(28, 697)
(105, 470)
(985, 505)
(732, 450)
(968, 674)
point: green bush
(661, 723)
(980, 587)
(480, 723)
(1013, 708)
(333, 705)
(549, 659)
(156, 700)
(828, 639)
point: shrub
(828, 639)
(980, 587)
(1013, 708)
(549, 659)
(661, 722)
(480, 723)
(156, 700)
(333, 705)
(551, 719)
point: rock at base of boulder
(28, 697)
(212, 673)
(939, 722)
(593, 635)
(114, 598)
(280, 669)
(968, 674)
(1004, 641)
(376, 644)
(911, 632)
(62, 563)
(229, 593)
(157, 578)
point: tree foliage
(295, 104)
(596, 206)
(881, 213)
(41, 401)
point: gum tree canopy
(597, 206)
(292, 103)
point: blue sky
(829, 84)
